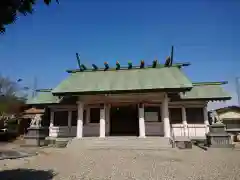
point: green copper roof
(206, 91)
(124, 80)
(44, 97)
(200, 91)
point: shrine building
(145, 100)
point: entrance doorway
(124, 121)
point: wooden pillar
(107, 110)
(166, 121)
(184, 121)
(51, 122)
(69, 121)
(102, 122)
(88, 115)
(80, 120)
(52, 118)
(141, 121)
(206, 122)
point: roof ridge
(210, 83)
(44, 90)
(133, 68)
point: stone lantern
(218, 137)
(36, 132)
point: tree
(10, 100)
(11, 9)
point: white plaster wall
(91, 130)
(62, 131)
(193, 130)
(196, 130)
(65, 131)
(154, 129)
(178, 129)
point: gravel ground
(219, 164)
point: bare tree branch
(9, 100)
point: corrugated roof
(44, 97)
(124, 80)
(206, 91)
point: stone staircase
(120, 143)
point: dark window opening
(74, 118)
(60, 118)
(46, 118)
(94, 115)
(195, 115)
(175, 115)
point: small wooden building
(230, 116)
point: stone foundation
(218, 137)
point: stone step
(122, 138)
(120, 143)
(110, 141)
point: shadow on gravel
(26, 174)
(201, 146)
(7, 137)
(13, 154)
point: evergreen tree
(11, 9)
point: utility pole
(238, 89)
(34, 87)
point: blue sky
(204, 32)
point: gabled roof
(228, 108)
(34, 111)
(206, 91)
(44, 97)
(171, 78)
(201, 91)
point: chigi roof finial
(169, 59)
(78, 60)
(172, 51)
